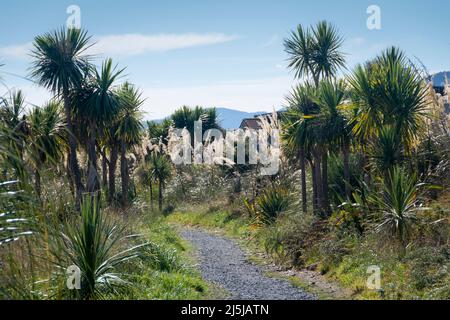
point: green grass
(164, 271)
(220, 220)
(414, 276)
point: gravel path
(222, 262)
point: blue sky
(218, 53)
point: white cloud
(16, 51)
(274, 39)
(357, 41)
(133, 44)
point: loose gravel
(223, 263)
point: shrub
(272, 203)
(291, 237)
(161, 258)
(92, 244)
(397, 206)
(429, 269)
(168, 209)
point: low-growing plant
(92, 243)
(398, 205)
(269, 205)
(272, 203)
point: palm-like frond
(160, 167)
(103, 101)
(389, 91)
(59, 62)
(12, 111)
(298, 121)
(129, 127)
(327, 56)
(398, 205)
(185, 117)
(92, 245)
(272, 203)
(315, 52)
(337, 127)
(299, 47)
(47, 133)
(386, 150)
(159, 131)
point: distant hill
(231, 119)
(439, 78)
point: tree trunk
(93, 183)
(151, 194)
(325, 191)
(74, 166)
(303, 180)
(37, 183)
(112, 172)
(104, 170)
(124, 173)
(346, 154)
(69, 175)
(314, 181)
(160, 195)
(319, 184)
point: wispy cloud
(274, 39)
(20, 51)
(133, 44)
(136, 44)
(355, 42)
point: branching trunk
(303, 180)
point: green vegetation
(364, 180)
(376, 191)
(138, 257)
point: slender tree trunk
(69, 175)
(37, 182)
(104, 169)
(93, 184)
(319, 184)
(325, 194)
(74, 166)
(314, 181)
(346, 154)
(160, 195)
(151, 194)
(303, 180)
(124, 173)
(112, 172)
